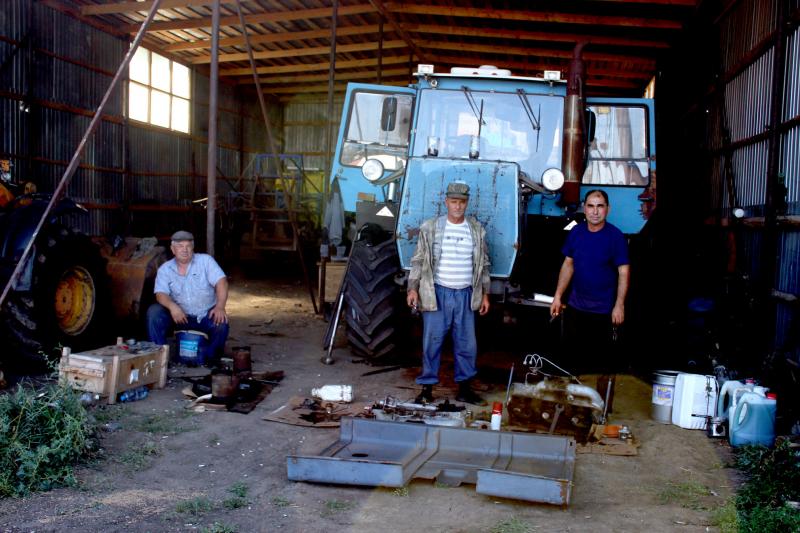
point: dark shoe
(467, 395)
(426, 396)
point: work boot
(426, 396)
(467, 395)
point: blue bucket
(192, 347)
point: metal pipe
(380, 51)
(329, 115)
(574, 131)
(213, 89)
(328, 359)
(73, 164)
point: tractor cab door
(376, 125)
(621, 158)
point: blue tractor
(529, 148)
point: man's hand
(178, 316)
(484, 305)
(218, 316)
(412, 298)
(556, 307)
(618, 315)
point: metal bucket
(223, 386)
(242, 363)
(663, 395)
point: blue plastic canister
(753, 420)
(192, 347)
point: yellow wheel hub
(74, 300)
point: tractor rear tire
(69, 302)
(372, 298)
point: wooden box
(111, 370)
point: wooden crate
(111, 370)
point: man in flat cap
(449, 281)
(191, 290)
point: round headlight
(552, 179)
(372, 170)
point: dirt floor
(168, 469)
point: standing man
(191, 291)
(596, 262)
(449, 281)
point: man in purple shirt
(596, 265)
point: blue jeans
(454, 316)
(159, 324)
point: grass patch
(219, 527)
(139, 456)
(105, 414)
(234, 503)
(773, 480)
(333, 507)
(512, 525)
(401, 491)
(195, 506)
(239, 489)
(43, 433)
(280, 501)
(725, 517)
(169, 423)
(687, 494)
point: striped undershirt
(454, 269)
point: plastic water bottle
(132, 395)
(334, 393)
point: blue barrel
(192, 347)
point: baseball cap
(182, 236)
(458, 189)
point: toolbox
(114, 369)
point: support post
(213, 89)
(329, 113)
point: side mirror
(591, 126)
(389, 114)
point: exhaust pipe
(574, 151)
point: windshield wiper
(526, 105)
(471, 101)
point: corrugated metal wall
(54, 71)
(304, 131)
(747, 42)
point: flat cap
(182, 236)
(458, 189)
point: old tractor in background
(73, 291)
(529, 148)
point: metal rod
(328, 359)
(508, 387)
(380, 51)
(271, 146)
(73, 164)
(609, 384)
(213, 89)
(329, 115)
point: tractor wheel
(69, 303)
(371, 299)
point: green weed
(401, 491)
(169, 423)
(138, 456)
(280, 501)
(195, 506)
(43, 433)
(512, 525)
(234, 503)
(335, 506)
(239, 489)
(687, 494)
(725, 517)
(219, 527)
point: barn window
(158, 91)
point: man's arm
(623, 277)
(412, 296)
(564, 277)
(178, 316)
(217, 313)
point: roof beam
(526, 51)
(255, 18)
(534, 16)
(277, 37)
(532, 35)
(524, 68)
(311, 67)
(128, 7)
(298, 89)
(340, 76)
(381, 8)
(299, 52)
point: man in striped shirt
(449, 281)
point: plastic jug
(726, 397)
(753, 420)
(695, 400)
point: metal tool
(508, 387)
(328, 359)
(608, 394)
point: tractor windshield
(522, 128)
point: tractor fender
(23, 217)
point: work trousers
(589, 339)
(454, 316)
(160, 324)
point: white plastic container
(695, 399)
(725, 399)
(334, 393)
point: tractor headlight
(552, 179)
(372, 170)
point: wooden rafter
(256, 18)
(534, 16)
(280, 37)
(300, 52)
(311, 67)
(494, 33)
(340, 76)
(525, 68)
(381, 8)
(129, 7)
